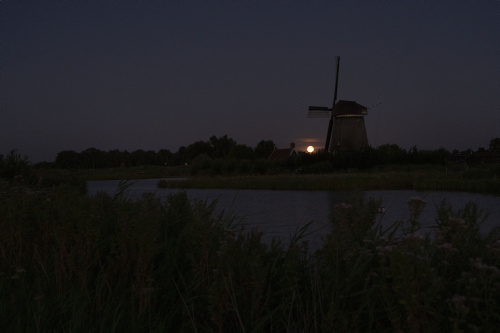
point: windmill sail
(319, 112)
(330, 124)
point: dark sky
(162, 74)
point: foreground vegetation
(73, 263)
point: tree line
(223, 155)
(226, 148)
(214, 148)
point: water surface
(281, 213)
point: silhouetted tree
(414, 155)
(68, 159)
(151, 158)
(179, 156)
(242, 152)
(221, 146)
(495, 146)
(14, 165)
(114, 159)
(390, 154)
(165, 156)
(139, 157)
(197, 148)
(264, 149)
(92, 158)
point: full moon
(310, 149)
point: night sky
(163, 74)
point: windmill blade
(336, 81)
(329, 135)
(318, 114)
(330, 125)
(322, 108)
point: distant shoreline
(429, 181)
(429, 178)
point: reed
(70, 262)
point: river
(281, 213)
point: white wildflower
(458, 301)
(448, 248)
(458, 298)
(382, 240)
(417, 200)
(413, 237)
(342, 205)
(382, 250)
(458, 222)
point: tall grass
(92, 264)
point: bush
(13, 166)
(201, 164)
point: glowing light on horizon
(310, 149)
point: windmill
(346, 129)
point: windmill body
(349, 131)
(346, 130)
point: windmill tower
(346, 129)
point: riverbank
(430, 181)
(480, 179)
(141, 172)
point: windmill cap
(344, 108)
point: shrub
(13, 166)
